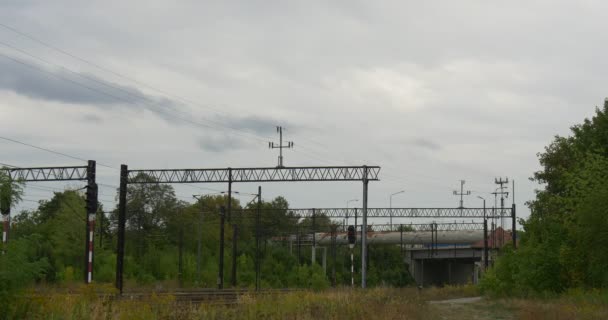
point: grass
(576, 304)
(344, 303)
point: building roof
(496, 239)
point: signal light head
(352, 236)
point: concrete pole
(220, 276)
(257, 241)
(314, 242)
(235, 236)
(122, 214)
(325, 261)
(352, 269)
(91, 238)
(514, 230)
(422, 273)
(364, 232)
(199, 249)
(5, 227)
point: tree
(11, 191)
(565, 240)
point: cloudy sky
(432, 91)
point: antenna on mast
(280, 146)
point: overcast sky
(431, 91)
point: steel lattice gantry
(48, 174)
(420, 227)
(231, 175)
(69, 173)
(401, 212)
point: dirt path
(457, 301)
(475, 308)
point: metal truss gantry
(70, 173)
(231, 175)
(421, 227)
(411, 213)
(399, 212)
(48, 174)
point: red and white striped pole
(352, 269)
(91, 224)
(5, 226)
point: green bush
(19, 267)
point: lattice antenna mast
(502, 183)
(280, 146)
(462, 193)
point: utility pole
(401, 240)
(220, 277)
(199, 237)
(91, 212)
(513, 218)
(485, 233)
(5, 210)
(298, 239)
(462, 193)
(257, 240)
(314, 239)
(364, 248)
(199, 249)
(280, 146)
(180, 263)
(502, 182)
(391, 206)
(352, 240)
(333, 254)
(235, 234)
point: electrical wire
(51, 151)
(163, 92)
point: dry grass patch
(381, 303)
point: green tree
(564, 241)
(11, 191)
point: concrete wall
(440, 272)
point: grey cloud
(487, 82)
(93, 118)
(219, 143)
(256, 124)
(59, 85)
(425, 143)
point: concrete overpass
(436, 258)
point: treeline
(47, 245)
(565, 244)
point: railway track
(211, 296)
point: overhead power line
(123, 76)
(53, 151)
(307, 152)
(100, 67)
(118, 88)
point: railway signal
(352, 240)
(352, 237)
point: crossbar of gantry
(410, 227)
(38, 174)
(417, 227)
(397, 212)
(272, 174)
(232, 175)
(60, 173)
